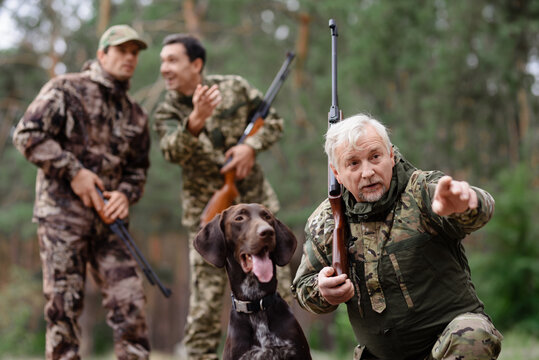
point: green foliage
(159, 210)
(21, 324)
(345, 340)
(338, 335)
(508, 274)
(519, 345)
(17, 180)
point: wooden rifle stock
(225, 196)
(340, 258)
(340, 253)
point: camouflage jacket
(409, 270)
(202, 157)
(83, 120)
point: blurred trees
(508, 275)
(453, 81)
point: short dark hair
(193, 46)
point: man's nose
(367, 171)
(163, 68)
(131, 56)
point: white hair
(349, 131)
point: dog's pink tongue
(263, 267)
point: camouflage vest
(409, 284)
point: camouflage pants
(468, 337)
(207, 287)
(65, 251)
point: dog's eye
(239, 218)
(266, 216)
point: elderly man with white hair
(408, 288)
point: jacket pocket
(404, 265)
(400, 279)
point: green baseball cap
(119, 34)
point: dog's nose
(265, 231)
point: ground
(515, 346)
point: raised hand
(453, 196)
(205, 100)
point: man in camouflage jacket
(83, 131)
(199, 124)
(408, 290)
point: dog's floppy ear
(285, 243)
(210, 242)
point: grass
(515, 346)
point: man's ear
(99, 54)
(336, 173)
(197, 64)
(392, 155)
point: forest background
(457, 82)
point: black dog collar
(249, 307)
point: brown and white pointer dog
(249, 241)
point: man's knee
(468, 336)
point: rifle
(225, 196)
(340, 257)
(118, 227)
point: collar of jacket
(98, 75)
(249, 307)
(377, 211)
(174, 97)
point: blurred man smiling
(199, 124)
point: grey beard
(370, 197)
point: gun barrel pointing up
(339, 252)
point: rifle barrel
(340, 258)
(271, 93)
(118, 227)
(150, 274)
(277, 83)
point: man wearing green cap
(82, 131)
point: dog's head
(251, 235)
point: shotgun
(340, 256)
(225, 196)
(118, 227)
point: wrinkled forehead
(368, 141)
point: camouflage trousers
(207, 288)
(65, 251)
(468, 337)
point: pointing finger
(444, 184)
